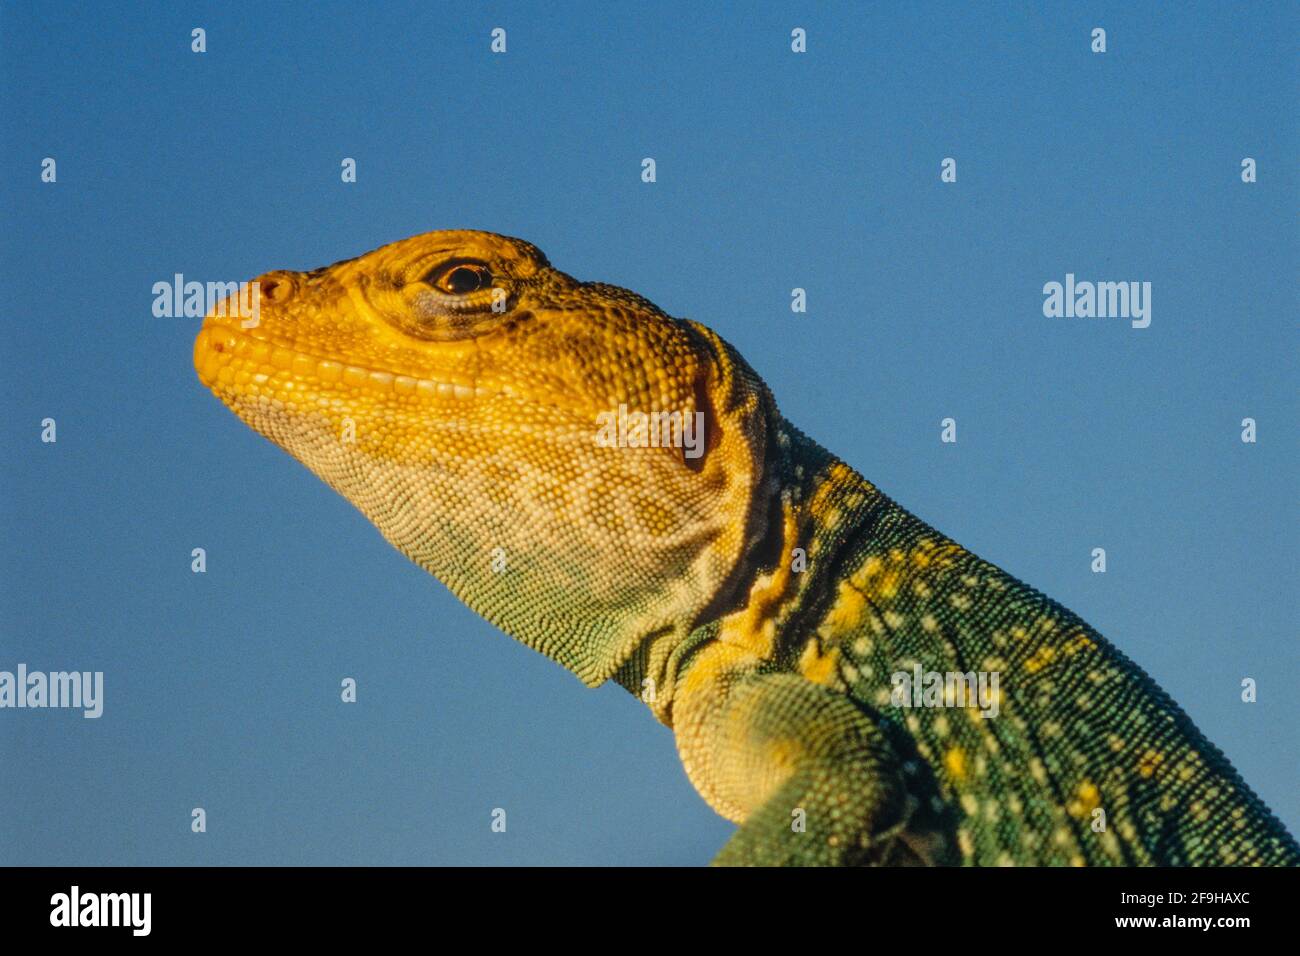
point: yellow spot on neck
(818, 667)
(1042, 657)
(1150, 763)
(954, 761)
(1086, 799)
(846, 614)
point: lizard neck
(816, 508)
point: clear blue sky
(774, 171)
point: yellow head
(484, 411)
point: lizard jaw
(232, 360)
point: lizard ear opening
(702, 433)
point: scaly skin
(759, 596)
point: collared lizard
(759, 594)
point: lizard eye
(464, 278)
(456, 299)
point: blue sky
(775, 170)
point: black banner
(335, 905)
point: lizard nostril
(276, 286)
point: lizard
(759, 594)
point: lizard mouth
(230, 359)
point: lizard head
(575, 465)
